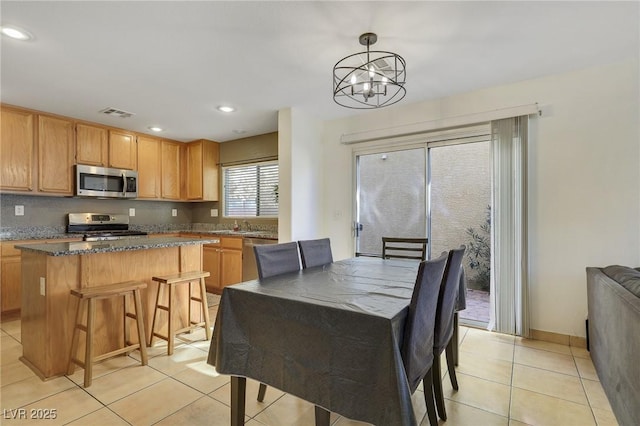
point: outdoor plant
(479, 252)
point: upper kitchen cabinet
(92, 145)
(202, 179)
(122, 150)
(16, 149)
(171, 177)
(149, 167)
(56, 152)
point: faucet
(247, 225)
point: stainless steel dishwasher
(249, 266)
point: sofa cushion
(628, 278)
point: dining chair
(404, 248)
(315, 252)
(419, 330)
(444, 326)
(275, 259)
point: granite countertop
(46, 233)
(90, 247)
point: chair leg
(323, 416)
(450, 364)
(437, 387)
(455, 339)
(262, 390)
(427, 385)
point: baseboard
(562, 339)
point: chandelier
(371, 79)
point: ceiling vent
(115, 112)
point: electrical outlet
(214, 212)
(132, 212)
(42, 286)
(174, 212)
(19, 210)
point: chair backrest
(276, 259)
(315, 252)
(447, 300)
(404, 248)
(417, 343)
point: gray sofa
(614, 336)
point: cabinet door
(92, 145)
(211, 264)
(170, 170)
(122, 150)
(16, 150)
(11, 284)
(56, 149)
(149, 167)
(202, 170)
(230, 261)
(194, 171)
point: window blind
(251, 190)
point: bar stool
(88, 296)
(171, 281)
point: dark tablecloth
(330, 335)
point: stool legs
(170, 308)
(88, 356)
(205, 308)
(170, 331)
(89, 329)
(137, 300)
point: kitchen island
(50, 271)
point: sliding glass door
(391, 200)
(438, 190)
(460, 208)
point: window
(250, 190)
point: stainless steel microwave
(106, 182)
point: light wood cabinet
(223, 261)
(202, 181)
(230, 261)
(92, 145)
(122, 150)
(11, 270)
(10, 285)
(149, 167)
(211, 264)
(16, 149)
(171, 177)
(56, 152)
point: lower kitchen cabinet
(223, 260)
(230, 261)
(11, 275)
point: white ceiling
(172, 63)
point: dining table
(330, 335)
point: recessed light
(226, 108)
(16, 33)
(239, 131)
(155, 128)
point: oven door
(106, 182)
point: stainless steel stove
(101, 226)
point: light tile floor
(503, 380)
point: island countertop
(126, 244)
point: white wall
(300, 160)
(584, 178)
